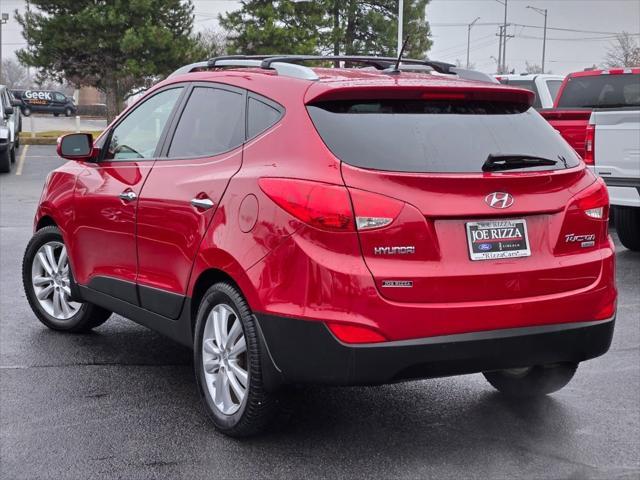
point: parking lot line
(21, 159)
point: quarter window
(212, 123)
(137, 136)
(260, 117)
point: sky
(596, 22)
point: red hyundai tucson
(346, 226)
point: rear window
(436, 136)
(554, 87)
(529, 85)
(601, 91)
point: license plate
(494, 239)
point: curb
(38, 141)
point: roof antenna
(396, 68)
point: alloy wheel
(224, 359)
(51, 281)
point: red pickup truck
(581, 93)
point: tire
(255, 411)
(56, 114)
(80, 316)
(5, 161)
(26, 111)
(68, 112)
(532, 381)
(627, 220)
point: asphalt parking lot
(122, 402)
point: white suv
(10, 126)
(544, 86)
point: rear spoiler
(499, 93)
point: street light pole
(400, 24)
(4, 18)
(544, 36)
(469, 38)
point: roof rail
(282, 68)
(288, 65)
(381, 63)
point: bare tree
(213, 42)
(472, 66)
(623, 52)
(532, 68)
(14, 75)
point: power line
(560, 29)
(573, 39)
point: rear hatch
(475, 196)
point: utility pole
(544, 36)
(499, 64)
(503, 38)
(4, 18)
(400, 24)
(469, 38)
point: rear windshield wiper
(496, 163)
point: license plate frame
(500, 239)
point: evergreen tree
(351, 27)
(116, 46)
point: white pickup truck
(613, 137)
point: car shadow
(393, 427)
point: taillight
(328, 207)
(594, 201)
(590, 145)
(320, 205)
(354, 333)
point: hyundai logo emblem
(499, 200)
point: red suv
(346, 226)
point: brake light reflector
(320, 205)
(590, 145)
(374, 211)
(606, 311)
(595, 212)
(594, 200)
(355, 333)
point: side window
(137, 136)
(212, 122)
(529, 85)
(60, 97)
(260, 117)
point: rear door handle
(128, 196)
(203, 203)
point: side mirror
(8, 111)
(76, 146)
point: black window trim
(260, 98)
(156, 156)
(168, 139)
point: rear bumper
(298, 351)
